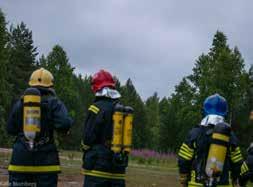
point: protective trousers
(90, 181)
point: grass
(148, 174)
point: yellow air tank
(31, 114)
(218, 150)
(128, 129)
(117, 135)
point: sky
(153, 42)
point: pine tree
(131, 98)
(22, 57)
(153, 120)
(5, 87)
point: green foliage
(5, 87)
(159, 124)
(141, 131)
(22, 54)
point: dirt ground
(137, 175)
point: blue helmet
(215, 104)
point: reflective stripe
(32, 99)
(193, 184)
(94, 109)
(237, 158)
(102, 174)
(187, 148)
(31, 128)
(85, 147)
(184, 156)
(186, 152)
(34, 168)
(220, 137)
(236, 155)
(244, 168)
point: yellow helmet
(41, 77)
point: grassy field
(138, 175)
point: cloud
(154, 42)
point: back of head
(215, 105)
(102, 79)
(41, 78)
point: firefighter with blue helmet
(107, 135)
(33, 120)
(210, 155)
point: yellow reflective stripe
(236, 151)
(184, 156)
(185, 153)
(32, 99)
(91, 109)
(34, 168)
(187, 148)
(220, 137)
(244, 168)
(193, 184)
(102, 174)
(95, 108)
(237, 158)
(31, 128)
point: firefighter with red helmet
(107, 135)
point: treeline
(160, 123)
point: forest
(160, 124)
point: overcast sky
(154, 42)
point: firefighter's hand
(183, 179)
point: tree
(58, 64)
(140, 131)
(153, 120)
(22, 57)
(5, 87)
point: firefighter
(32, 121)
(104, 159)
(210, 155)
(247, 167)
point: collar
(211, 119)
(109, 93)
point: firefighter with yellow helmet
(32, 121)
(107, 135)
(210, 155)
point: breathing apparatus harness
(32, 102)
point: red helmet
(102, 79)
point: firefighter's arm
(236, 158)
(60, 117)
(247, 168)
(92, 126)
(12, 123)
(185, 158)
